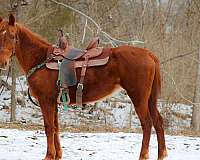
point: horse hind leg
(158, 125)
(141, 108)
(139, 95)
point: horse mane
(33, 44)
(35, 38)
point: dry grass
(181, 115)
(91, 129)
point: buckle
(80, 86)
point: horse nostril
(5, 64)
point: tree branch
(177, 90)
(113, 41)
(84, 31)
(179, 56)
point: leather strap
(79, 91)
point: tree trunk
(13, 68)
(196, 107)
(13, 91)
(16, 7)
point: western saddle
(65, 58)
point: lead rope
(62, 92)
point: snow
(31, 145)
(118, 116)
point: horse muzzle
(4, 66)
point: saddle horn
(61, 32)
(62, 40)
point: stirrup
(60, 96)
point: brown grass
(91, 129)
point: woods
(146, 47)
(169, 28)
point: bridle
(13, 38)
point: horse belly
(100, 82)
(99, 93)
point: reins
(14, 41)
(30, 98)
(28, 75)
(2, 85)
(32, 70)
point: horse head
(8, 34)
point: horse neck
(31, 49)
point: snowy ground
(31, 145)
(114, 112)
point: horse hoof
(163, 156)
(144, 157)
(46, 158)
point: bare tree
(13, 71)
(196, 107)
(16, 7)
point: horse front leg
(48, 112)
(57, 138)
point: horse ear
(1, 19)
(11, 20)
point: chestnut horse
(134, 69)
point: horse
(137, 70)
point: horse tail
(156, 86)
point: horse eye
(4, 32)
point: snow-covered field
(31, 145)
(115, 112)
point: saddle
(66, 59)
